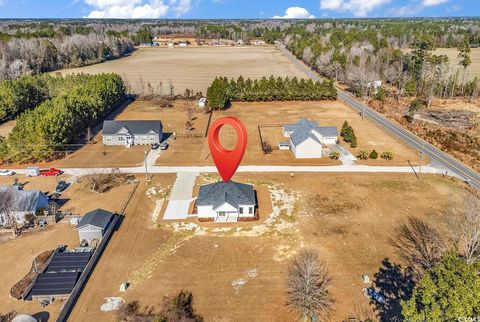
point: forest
(342, 49)
(67, 107)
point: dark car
(61, 186)
(155, 146)
(164, 146)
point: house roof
(304, 129)
(231, 192)
(134, 127)
(97, 218)
(22, 200)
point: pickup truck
(52, 172)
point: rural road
(256, 168)
(437, 156)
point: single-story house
(16, 203)
(307, 138)
(94, 224)
(130, 133)
(226, 201)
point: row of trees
(222, 91)
(42, 131)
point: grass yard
(195, 151)
(237, 272)
(193, 68)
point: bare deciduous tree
(464, 227)
(308, 285)
(419, 244)
(8, 198)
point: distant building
(226, 201)
(17, 203)
(202, 102)
(183, 44)
(93, 225)
(258, 42)
(129, 133)
(307, 138)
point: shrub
(334, 155)
(373, 155)
(387, 155)
(362, 155)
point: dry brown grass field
(237, 272)
(193, 67)
(20, 251)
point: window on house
(240, 210)
(121, 138)
(250, 210)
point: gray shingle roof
(134, 127)
(234, 193)
(304, 128)
(22, 200)
(98, 218)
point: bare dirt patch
(193, 68)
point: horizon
(237, 10)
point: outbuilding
(94, 224)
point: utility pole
(146, 168)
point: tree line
(222, 91)
(47, 128)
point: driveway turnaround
(181, 196)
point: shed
(202, 102)
(94, 224)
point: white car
(6, 173)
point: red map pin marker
(227, 161)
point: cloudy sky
(236, 8)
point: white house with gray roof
(226, 201)
(130, 133)
(16, 203)
(307, 138)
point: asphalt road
(438, 157)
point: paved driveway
(181, 196)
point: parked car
(52, 172)
(61, 186)
(32, 171)
(163, 146)
(6, 173)
(155, 146)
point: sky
(229, 9)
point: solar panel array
(68, 262)
(61, 274)
(50, 284)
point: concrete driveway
(181, 196)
